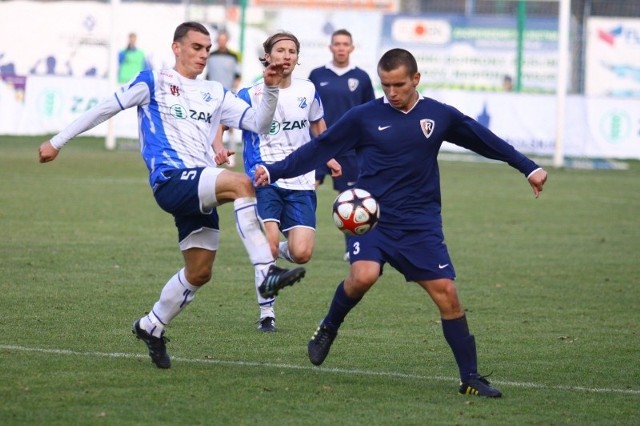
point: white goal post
(110, 138)
(564, 18)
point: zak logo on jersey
(287, 125)
(178, 111)
(427, 125)
(290, 125)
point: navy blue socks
(340, 307)
(463, 345)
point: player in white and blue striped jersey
(288, 206)
(178, 116)
(397, 139)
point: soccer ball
(355, 212)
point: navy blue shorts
(179, 196)
(416, 254)
(289, 207)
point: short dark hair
(185, 27)
(279, 36)
(396, 58)
(341, 31)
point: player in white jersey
(178, 117)
(289, 205)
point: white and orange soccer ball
(355, 211)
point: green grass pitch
(551, 288)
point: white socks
(175, 296)
(178, 292)
(267, 311)
(283, 251)
(254, 239)
(252, 234)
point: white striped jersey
(178, 119)
(298, 106)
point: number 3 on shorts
(356, 247)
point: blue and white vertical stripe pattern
(298, 106)
(178, 119)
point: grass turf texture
(550, 287)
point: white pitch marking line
(529, 385)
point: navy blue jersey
(397, 155)
(341, 92)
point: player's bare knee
(357, 285)
(198, 277)
(302, 257)
(232, 185)
(244, 186)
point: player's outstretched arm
(47, 152)
(537, 180)
(88, 120)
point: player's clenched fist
(47, 152)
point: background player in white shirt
(289, 205)
(178, 117)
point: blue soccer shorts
(289, 207)
(180, 196)
(416, 254)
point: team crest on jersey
(206, 96)
(353, 84)
(302, 102)
(178, 111)
(175, 90)
(427, 125)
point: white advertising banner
(613, 57)
(51, 103)
(12, 92)
(595, 127)
(612, 128)
(314, 34)
(72, 38)
(476, 53)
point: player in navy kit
(178, 117)
(397, 139)
(341, 86)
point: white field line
(392, 374)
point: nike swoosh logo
(324, 83)
(442, 266)
(381, 128)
